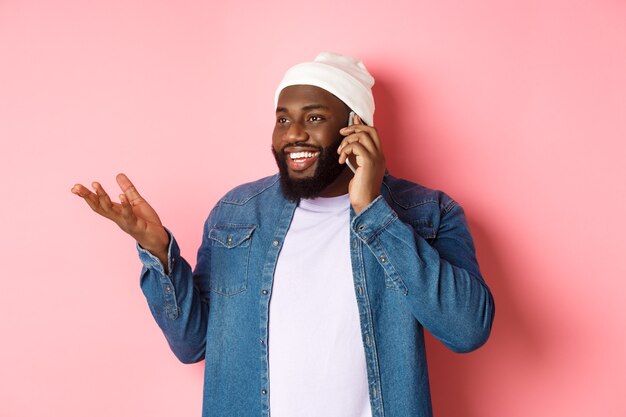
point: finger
(126, 208)
(128, 188)
(90, 198)
(350, 151)
(361, 128)
(103, 197)
(361, 137)
(80, 190)
(128, 217)
(358, 150)
(348, 130)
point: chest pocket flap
(231, 235)
(230, 253)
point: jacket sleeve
(179, 301)
(440, 280)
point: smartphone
(350, 123)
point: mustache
(302, 145)
(322, 149)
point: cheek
(331, 137)
(276, 139)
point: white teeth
(298, 155)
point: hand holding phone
(361, 150)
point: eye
(281, 120)
(315, 118)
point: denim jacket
(414, 267)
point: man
(312, 287)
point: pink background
(516, 109)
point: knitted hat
(343, 76)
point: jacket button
(275, 243)
(264, 292)
(263, 392)
(383, 259)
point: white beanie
(343, 76)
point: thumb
(127, 187)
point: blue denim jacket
(414, 267)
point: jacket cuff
(373, 219)
(152, 262)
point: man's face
(305, 141)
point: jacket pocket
(230, 253)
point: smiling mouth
(300, 161)
(297, 156)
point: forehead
(305, 95)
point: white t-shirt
(316, 355)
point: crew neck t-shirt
(316, 356)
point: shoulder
(407, 194)
(426, 210)
(243, 193)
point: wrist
(362, 204)
(155, 243)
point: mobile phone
(350, 123)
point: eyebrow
(305, 108)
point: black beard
(327, 170)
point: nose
(296, 133)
